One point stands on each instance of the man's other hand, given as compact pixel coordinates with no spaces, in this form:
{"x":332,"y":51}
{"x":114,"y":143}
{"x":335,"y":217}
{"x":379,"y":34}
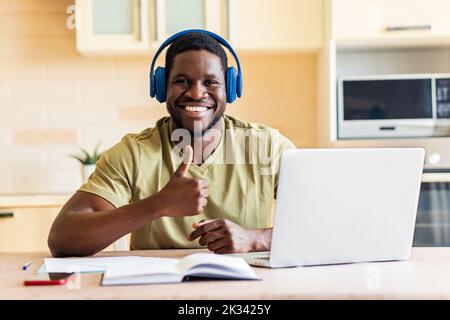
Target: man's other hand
{"x":224,"y":236}
{"x":184,"y":196}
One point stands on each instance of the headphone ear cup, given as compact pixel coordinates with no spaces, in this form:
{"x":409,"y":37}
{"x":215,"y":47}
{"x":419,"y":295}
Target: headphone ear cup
{"x":160,"y":84}
{"x":152,"y":85}
{"x":239,"y":85}
{"x":231,"y":83}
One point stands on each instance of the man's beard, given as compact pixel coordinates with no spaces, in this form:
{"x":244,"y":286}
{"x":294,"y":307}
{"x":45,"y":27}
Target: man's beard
{"x":179,"y":124}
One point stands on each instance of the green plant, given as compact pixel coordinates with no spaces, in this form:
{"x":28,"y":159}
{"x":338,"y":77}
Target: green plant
{"x":86,"y":157}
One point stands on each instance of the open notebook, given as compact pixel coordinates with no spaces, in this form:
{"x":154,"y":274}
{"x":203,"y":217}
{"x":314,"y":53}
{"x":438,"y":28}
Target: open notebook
{"x":198,"y":265}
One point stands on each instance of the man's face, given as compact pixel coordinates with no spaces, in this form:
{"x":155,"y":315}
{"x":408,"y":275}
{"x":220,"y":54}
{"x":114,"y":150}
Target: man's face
{"x":196,"y":95}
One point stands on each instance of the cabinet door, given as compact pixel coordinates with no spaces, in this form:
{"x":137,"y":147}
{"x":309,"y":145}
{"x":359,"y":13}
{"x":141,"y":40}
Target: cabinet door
{"x":389,"y":20}
{"x":177,"y":15}
{"x":279,"y":25}
{"x":113,"y":26}
{"x":26,"y":229}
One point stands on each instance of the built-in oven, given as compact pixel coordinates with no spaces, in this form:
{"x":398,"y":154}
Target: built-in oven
{"x":433,"y":214}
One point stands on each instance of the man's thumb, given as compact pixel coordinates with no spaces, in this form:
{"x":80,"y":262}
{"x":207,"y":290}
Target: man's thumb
{"x":185,"y":162}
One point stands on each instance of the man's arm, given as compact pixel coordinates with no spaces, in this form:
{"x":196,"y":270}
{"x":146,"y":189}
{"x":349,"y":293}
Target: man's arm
{"x":89,"y":223}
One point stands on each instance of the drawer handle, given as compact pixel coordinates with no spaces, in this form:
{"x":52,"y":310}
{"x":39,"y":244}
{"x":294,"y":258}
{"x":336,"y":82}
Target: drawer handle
{"x":425,"y":27}
{"x":6,"y":214}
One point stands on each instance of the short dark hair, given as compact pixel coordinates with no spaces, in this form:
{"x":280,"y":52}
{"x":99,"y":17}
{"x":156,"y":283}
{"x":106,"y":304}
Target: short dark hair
{"x":195,"y":41}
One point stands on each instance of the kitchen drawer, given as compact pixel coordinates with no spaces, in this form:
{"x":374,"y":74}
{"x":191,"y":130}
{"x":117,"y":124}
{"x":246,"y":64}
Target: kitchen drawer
{"x":387,"y":20}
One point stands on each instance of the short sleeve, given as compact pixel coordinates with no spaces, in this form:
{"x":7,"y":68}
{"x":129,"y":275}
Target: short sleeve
{"x":114,"y":175}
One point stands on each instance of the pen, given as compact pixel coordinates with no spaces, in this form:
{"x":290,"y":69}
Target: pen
{"x":27,"y":265}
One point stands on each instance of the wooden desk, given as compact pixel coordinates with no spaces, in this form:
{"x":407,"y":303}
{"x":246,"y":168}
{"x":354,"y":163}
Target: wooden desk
{"x":425,"y":276}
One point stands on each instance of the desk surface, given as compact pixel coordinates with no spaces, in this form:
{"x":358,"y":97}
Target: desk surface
{"x":425,"y":276}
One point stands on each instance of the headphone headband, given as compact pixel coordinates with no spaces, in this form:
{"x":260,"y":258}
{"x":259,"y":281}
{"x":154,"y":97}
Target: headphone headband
{"x":222,"y":41}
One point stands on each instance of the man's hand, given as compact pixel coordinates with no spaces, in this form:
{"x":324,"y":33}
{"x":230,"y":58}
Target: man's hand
{"x":184,"y":196}
{"x":224,"y":236}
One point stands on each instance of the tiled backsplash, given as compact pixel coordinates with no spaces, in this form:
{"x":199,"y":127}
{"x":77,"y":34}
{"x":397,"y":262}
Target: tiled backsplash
{"x":52,"y":99}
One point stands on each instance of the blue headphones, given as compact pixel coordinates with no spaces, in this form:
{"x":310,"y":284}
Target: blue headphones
{"x":233,"y":78}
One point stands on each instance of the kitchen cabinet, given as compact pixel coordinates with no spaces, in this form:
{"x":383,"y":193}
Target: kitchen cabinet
{"x":392,"y":23}
{"x":25,"y":229}
{"x":379,"y":37}
{"x":25,"y":221}
{"x":276,"y":25}
{"x":136,"y":27}
{"x":177,"y":15}
{"x":108,"y":26}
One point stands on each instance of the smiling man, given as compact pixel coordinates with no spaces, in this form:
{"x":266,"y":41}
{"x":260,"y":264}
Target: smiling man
{"x":198,"y":178}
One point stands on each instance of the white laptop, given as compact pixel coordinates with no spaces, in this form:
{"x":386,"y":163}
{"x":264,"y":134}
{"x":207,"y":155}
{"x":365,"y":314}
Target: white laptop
{"x":344,"y":205}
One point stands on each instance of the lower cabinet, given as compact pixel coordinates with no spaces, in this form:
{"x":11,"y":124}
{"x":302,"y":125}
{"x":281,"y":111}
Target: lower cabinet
{"x":26,"y":229}
{"x":25,"y":223}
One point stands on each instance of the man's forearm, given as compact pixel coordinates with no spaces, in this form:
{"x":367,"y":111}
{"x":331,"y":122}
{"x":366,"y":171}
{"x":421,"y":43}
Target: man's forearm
{"x":86,"y":233}
{"x":262,"y":239}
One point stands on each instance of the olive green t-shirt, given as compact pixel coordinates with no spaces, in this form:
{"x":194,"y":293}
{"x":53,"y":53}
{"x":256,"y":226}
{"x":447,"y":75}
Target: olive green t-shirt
{"x":242,"y":174}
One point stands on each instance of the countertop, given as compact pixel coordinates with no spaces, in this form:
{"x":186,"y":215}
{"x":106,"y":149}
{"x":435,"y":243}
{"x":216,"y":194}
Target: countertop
{"x":426,"y":275}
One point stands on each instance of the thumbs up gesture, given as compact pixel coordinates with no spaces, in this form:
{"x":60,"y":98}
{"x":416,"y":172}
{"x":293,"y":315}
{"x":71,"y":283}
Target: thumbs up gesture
{"x":184,"y":196}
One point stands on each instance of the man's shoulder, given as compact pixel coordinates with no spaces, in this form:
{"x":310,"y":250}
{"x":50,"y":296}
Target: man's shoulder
{"x":234,"y":123}
{"x":150,"y":132}
{"x":132,"y":140}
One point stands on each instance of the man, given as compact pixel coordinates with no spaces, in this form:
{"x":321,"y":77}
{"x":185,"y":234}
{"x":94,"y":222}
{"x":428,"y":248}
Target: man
{"x":189,"y":182}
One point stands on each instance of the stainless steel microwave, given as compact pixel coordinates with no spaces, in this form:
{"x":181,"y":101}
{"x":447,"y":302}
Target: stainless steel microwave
{"x":394,"y":106}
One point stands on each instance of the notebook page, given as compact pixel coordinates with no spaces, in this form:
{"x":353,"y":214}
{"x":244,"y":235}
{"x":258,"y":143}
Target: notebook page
{"x":158,"y":271}
{"x":96,"y":264}
{"x":155,"y":267}
{"x":212,"y":264}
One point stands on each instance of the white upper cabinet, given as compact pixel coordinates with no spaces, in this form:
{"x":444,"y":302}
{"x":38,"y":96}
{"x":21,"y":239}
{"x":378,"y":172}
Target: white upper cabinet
{"x":113,"y":26}
{"x":276,"y":24}
{"x":173,"y":16}
{"x":390,"y":22}
{"x":139,"y":26}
